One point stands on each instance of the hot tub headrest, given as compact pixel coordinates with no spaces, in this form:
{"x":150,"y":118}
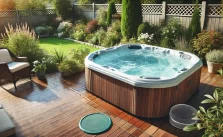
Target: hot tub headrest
{"x":134,"y":47}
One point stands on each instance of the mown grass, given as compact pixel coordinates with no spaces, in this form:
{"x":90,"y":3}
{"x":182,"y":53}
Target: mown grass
{"x":49,"y":44}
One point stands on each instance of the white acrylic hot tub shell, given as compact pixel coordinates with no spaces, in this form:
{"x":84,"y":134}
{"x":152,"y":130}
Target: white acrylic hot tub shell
{"x":136,"y":81}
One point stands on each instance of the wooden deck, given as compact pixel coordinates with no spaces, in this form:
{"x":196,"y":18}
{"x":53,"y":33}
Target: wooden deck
{"x":54,"y":107}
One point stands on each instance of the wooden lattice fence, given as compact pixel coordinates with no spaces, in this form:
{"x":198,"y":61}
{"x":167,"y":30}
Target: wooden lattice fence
{"x":31,"y":17}
{"x":211,"y":14}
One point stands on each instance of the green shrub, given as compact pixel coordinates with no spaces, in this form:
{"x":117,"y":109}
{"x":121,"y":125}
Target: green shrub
{"x":69,"y":67}
{"x":144,"y":28}
{"x":63,"y":8}
{"x":171,"y":33}
{"x":101,"y":16}
{"x":30,"y":4}
{"x":111,"y":10}
{"x":64,"y":29}
{"x":92,"y":38}
{"x":43,"y":30}
{"x":207,"y":41}
{"x":23,"y":42}
{"x":100,"y":34}
{"x":210,"y":119}
{"x":131,"y":17}
{"x":115,"y":26}
{"x":80,"y":54}
{"x":215,"y":56}
{"x":111,"y":39}
{"x":79,"y":32}
{"x":195,"y":25}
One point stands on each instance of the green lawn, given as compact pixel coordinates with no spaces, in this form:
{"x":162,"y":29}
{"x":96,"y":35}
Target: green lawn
{"x":49,"y":44}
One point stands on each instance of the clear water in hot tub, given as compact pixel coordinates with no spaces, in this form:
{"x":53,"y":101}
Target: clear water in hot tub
{"x":141,"y":62}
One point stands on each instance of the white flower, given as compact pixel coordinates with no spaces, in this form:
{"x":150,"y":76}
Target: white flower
{"x":35,"y":62}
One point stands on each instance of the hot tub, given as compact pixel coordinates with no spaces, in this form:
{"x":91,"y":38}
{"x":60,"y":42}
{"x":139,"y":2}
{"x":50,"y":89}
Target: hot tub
{"x":144,"y":80}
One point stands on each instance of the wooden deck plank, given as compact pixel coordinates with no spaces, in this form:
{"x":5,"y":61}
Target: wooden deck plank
{"x":55,"y":106}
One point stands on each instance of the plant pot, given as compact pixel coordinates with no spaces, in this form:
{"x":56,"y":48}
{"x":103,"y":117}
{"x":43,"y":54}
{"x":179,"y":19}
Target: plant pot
{"x":214,"y":67}
{"x":40,"y":74}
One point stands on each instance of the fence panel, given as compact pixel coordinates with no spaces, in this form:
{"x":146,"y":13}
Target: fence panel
{"x":211,"y":14}
{"x":31,"y":17}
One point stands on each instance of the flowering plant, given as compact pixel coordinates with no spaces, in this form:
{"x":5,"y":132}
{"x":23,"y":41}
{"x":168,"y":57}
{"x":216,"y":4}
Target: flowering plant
{"x":39,"y":66}
{"x":206,"y":42}
{"x":145,"y":38}
{"x":171,"y":33}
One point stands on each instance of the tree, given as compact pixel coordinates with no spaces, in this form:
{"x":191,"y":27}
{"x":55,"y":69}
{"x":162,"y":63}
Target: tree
{"x":63,"y":8}
{"x":30,"y":4}
{"x":111,"y":10}
{"x":131,"y":18}
{"x":195,"y":25}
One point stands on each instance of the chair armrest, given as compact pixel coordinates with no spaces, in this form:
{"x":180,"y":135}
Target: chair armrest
{"x":21,"y":59}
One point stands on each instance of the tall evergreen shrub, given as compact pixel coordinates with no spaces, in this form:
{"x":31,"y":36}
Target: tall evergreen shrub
{"x":111,"y":10}
{"x":131,"y":17}
{"x":195,"y":25}
{"x":63,"y":8}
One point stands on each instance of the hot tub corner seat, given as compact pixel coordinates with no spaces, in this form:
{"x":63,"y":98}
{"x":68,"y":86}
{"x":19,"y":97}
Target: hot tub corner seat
{"x":7,"y":127}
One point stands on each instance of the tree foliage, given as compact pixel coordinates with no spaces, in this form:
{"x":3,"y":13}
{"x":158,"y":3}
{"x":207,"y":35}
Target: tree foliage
{"x":111,"y":10}
{"x":131,"y":18}
{"x":29,"y":4}
{"x":63,"y":8}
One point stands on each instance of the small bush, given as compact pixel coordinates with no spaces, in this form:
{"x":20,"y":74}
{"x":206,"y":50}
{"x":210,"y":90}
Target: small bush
{"x":206,"y":42}
{"x":171,"y":33}
{"x":101,"y":33}
{"x":111,"y":10}
{"x":215,"y":56}
{"x":64,"y":29}
{"x":101,"y":16}
{"x":69,"y":67}
{"x":92,"y":26}
{"x":23,"y":42}
{"x":144,"y":28}
{"x":92,"y":38}
{"x":115,"y":26}
{"x":111,"y":39}
{"x":43,"y":30}
{"x":80,"y":54}
{"x":79,"y":35}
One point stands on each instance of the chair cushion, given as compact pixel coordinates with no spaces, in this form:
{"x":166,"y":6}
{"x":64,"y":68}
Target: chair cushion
{"x":7,"y":127}
{"x":5,"y":56}
{"x":16,"y":66}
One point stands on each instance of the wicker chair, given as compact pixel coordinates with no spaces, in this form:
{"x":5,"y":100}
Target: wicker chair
{"x":12,"y":68}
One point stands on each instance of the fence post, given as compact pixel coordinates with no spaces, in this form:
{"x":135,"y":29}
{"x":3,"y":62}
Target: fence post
{"x":93,"y":5}
{"x":17,"y":17}
{"x":203,"y":13}
{"x":164,"y":10}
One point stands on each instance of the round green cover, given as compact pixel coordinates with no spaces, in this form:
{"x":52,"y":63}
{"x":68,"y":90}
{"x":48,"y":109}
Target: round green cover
{"x":95,"y":123}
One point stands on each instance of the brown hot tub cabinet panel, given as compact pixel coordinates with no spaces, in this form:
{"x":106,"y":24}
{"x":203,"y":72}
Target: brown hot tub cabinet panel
{"x":143,"y":102}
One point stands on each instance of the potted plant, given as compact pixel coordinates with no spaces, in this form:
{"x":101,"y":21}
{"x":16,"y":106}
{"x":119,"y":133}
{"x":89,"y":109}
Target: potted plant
{"x":39,"y":67}
{"x":214,"y":60}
